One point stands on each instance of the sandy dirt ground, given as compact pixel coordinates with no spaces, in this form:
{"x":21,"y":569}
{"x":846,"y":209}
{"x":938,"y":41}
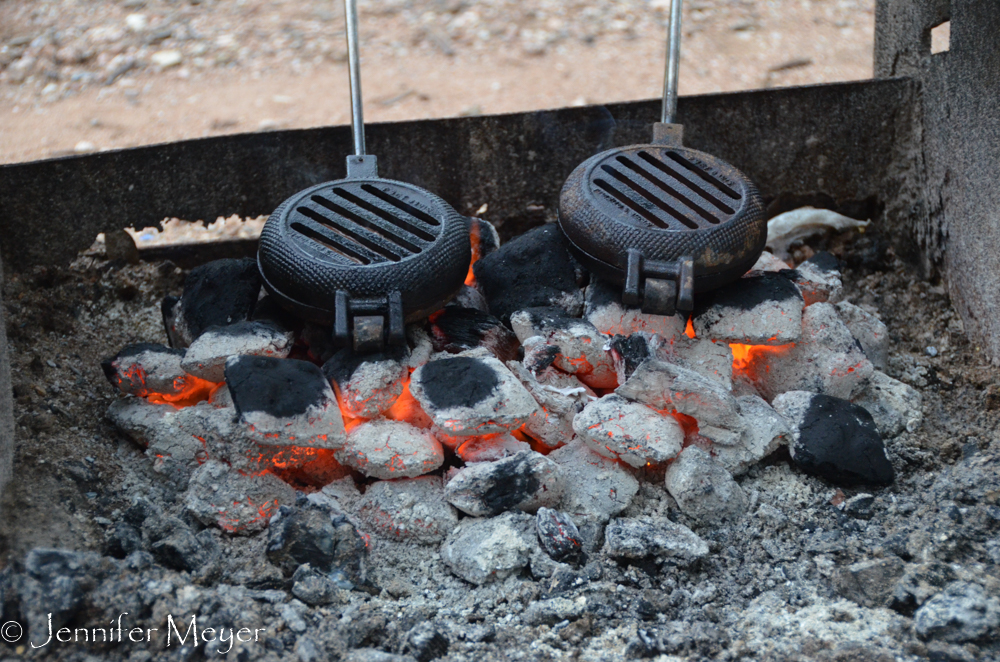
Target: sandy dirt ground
{"x":83,"y":75}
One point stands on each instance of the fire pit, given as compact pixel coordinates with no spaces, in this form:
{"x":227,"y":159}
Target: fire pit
{"x":802,"y":467}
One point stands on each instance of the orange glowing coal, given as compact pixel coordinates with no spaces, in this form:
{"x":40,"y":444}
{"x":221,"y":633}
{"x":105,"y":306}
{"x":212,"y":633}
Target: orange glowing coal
{"x":470,"y":279}
{"x":746,"y":358}
{"x":190,"y":391}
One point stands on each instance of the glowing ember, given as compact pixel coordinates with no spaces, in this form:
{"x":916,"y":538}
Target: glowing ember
{"x":190,"y":391}
{"x":470,"y":279}
{"x":745,"y":357}
{"x":689,"y":329}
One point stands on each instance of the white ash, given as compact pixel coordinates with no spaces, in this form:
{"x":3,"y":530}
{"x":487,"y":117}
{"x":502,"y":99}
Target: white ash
{"x":366,"y":387}
{"x":764,"y":433}
{"x":408,"y":509}
{"x":826,"y":360}
{"x":664,"y":386}
{"x":488,"y":448}
{"x":467,"y":395}
{"x":868,"y":330}
{"x":579,"y":345}
{"x":630,"y":539}
{"x":765,"y":309}
{"x":895,"y":406}
{"x":769,"y":262}
{"x":595,"y":487}
{"x":628,"y":431}
{"x":146,"y":368}
{"x":709,"y":358}
{"x":818,"y":279}
{"x":281,"y":402}
{"x":526,"y":481}
{"x":421,"y":346}
{"x":489,"y":550}
{"x":390,"y":449}
{"x":206,"y":356}
{"x":703,"y":489}
{"x":234,"y":502}
{"x":603,"y":309}
{"x":559,"y":397}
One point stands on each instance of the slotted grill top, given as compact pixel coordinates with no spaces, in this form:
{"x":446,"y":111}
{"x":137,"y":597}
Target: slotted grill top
{"x":666,"y":202}
{"x":359,"y":223}
{"x":660,"y":188}
{"x":363,"y":238}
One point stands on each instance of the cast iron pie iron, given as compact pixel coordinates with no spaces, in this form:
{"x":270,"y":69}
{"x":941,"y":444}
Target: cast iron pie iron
{"x":663,"y":221}
{"x":365,"y":254}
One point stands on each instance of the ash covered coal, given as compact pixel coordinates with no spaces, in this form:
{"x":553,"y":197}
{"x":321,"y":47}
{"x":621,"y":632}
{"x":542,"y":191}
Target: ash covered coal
{"x":710,"y":552}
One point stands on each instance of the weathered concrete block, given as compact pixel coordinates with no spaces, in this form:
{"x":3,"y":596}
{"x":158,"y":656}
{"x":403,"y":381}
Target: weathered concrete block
{"x":628,"y":431}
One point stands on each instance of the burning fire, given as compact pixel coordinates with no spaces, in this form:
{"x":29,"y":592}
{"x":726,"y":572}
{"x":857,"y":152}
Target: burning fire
{"x":474,"y":237}
{"x":747,"y":358}
{"x":190,"y":391}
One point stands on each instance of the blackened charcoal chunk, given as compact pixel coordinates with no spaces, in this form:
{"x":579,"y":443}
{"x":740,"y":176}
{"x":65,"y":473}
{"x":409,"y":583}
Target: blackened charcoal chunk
{"x":757,"y":310}
{"x":367,"y":384}
{"x":426,"y":642}
{"x":327,"y":541}
{"x":628,"y":352}
{"x":457,"y":329}
{"x":215,"y":294}
{"x":535,"y":269}
{"x":184,"y":550}
{"x":559,"y":536}
{"x":268,"y":310}
{"x":818,"y":278}
{"x":145,"y":368}
{"x":485,"y":238}
{"x":472,"y":396}
{"x":835,"y":439}
{"x":284,"y":402}
{"x":279,"y":387}
{"x":526,"y":481}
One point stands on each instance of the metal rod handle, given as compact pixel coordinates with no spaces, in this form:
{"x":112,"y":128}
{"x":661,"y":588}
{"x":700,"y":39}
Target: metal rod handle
{"x":673,"y":63}
{"x":354,"y":67}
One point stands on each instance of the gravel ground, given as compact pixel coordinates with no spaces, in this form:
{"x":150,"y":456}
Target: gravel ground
{"x":810,"y":573}
{"x":81,"y":75}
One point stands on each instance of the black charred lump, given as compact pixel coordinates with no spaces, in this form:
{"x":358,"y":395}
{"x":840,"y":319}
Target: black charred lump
{"x":457,"y":329}
{"x":559,"y":536}
{"x":215,"y":294}
{"x":328,"y":542}
{"x":748,"y":293}
{"x":835,"y":439}
{"x":535,"y":269}
{"x":628,"y":352}
{"x":279,"y":387}
{"x":459,"y":382}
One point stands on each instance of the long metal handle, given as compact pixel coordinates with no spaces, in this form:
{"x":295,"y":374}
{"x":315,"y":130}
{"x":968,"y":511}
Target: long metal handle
{"x":354,"y":67}
{"x":673,"y":63}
